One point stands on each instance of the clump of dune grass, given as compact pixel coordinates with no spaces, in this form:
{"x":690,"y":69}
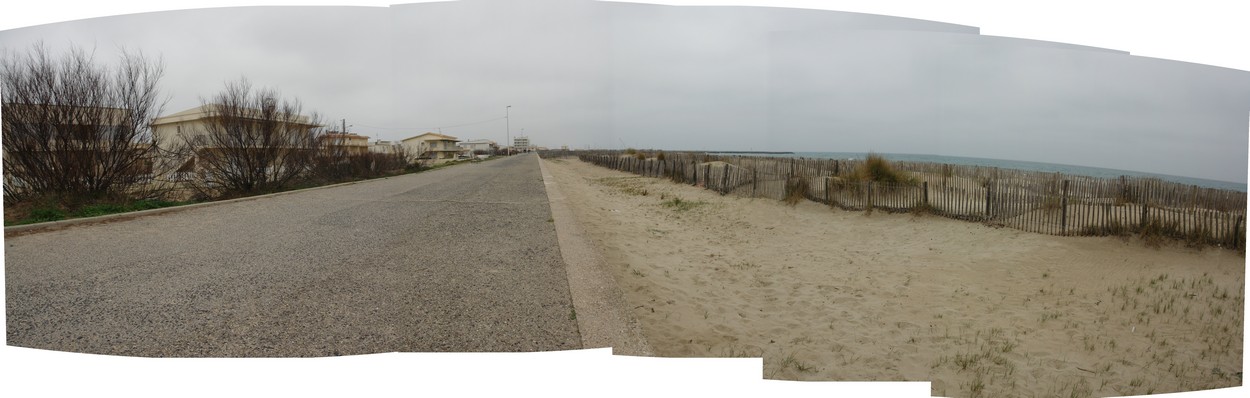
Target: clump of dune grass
{"x":677,"y":204}
{"x":628,"y":185}
{"x":796,"y":190}
{"x":876,"y":169}
{"x":659,"y":156}
{"x":630,"y":151}
{"x":923,"y":209}
{"x":640,"y":156}
{"x":1154,"y":233}
{"x":1109,"y":229}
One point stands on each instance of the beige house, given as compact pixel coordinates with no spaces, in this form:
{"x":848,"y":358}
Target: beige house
{"x":433,"y":146}
{"x":173,"y":131}
{"x":66,"y":136}
{"x":347,"y":144}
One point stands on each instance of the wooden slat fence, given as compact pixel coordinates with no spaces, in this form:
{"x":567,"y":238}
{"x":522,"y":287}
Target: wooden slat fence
{"x":1048,"y":203}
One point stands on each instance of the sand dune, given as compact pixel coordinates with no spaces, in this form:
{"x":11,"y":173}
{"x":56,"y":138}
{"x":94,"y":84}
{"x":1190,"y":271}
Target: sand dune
{"x":824,"y":294}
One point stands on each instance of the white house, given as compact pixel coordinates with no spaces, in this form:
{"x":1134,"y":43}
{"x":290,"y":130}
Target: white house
{"x":386,"y":147}
{"x":473,"y":146}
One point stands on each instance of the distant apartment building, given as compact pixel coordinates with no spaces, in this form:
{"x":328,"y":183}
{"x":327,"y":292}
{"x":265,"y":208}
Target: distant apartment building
{"x":521,"y":143}
{"x":433,"y":146}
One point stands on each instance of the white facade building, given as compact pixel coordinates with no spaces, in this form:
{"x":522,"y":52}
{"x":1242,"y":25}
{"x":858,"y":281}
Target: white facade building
{"x":520,"y":143}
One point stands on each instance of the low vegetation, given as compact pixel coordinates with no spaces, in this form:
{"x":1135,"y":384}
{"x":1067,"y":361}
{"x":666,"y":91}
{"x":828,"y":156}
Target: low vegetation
{"x":626,"y":185}
{"x":46,"y":210}
{"x":879,"y":170}
{"x":796,"y":190}
{"x":678,"y":204}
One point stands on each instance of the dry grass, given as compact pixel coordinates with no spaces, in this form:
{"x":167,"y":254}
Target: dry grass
{"x":796,"y":190}
{"x":677,"y":204}
{"x":876,"y":169}
{"x":627,"y":185}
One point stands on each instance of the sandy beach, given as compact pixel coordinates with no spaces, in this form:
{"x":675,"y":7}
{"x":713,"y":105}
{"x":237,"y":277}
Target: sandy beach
{"x":826,"y":294}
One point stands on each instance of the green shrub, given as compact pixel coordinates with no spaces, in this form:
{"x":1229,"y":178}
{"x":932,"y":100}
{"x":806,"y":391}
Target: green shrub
{"x":47,"y":214}
{"x":99,"y":210}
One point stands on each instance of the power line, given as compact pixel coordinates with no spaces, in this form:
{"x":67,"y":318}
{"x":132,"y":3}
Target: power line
{"x":434,"y":127}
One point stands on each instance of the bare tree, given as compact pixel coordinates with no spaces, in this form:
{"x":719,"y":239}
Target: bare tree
{"x":341,"y":156}
{"x":252,"y":141}
{"x":77,"y":130}
{"x":336,"y":158}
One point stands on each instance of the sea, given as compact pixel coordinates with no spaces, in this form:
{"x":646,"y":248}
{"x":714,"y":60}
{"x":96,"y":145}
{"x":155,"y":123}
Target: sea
{"x":1021,"y":165}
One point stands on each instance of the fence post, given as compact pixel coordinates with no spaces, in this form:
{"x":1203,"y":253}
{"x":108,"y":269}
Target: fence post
{"x":870,"y":189}
{"x":1063,"y":213}
{"x":694,"y":167}
{"x":1144,"y":207}
{"x":926,"y":193}
{"x":835,"y":167}
{"x":1237,"y":233}
{"x":1106,"y":218}
{"x":724,"y":180}
{"x":754,"y":174}
{"x":828,"y":187}
{"x":707,"y":176}
{"x":987,"y":199}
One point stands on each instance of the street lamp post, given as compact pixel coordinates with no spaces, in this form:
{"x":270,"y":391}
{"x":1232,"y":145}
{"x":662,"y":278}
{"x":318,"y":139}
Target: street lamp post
{"x":507,"y":116}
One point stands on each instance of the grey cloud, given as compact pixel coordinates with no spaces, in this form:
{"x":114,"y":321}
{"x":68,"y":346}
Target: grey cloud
{"x":583,"y":73}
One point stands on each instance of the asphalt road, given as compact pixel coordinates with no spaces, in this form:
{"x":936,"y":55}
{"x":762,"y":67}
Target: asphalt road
{"x":458,"y":259}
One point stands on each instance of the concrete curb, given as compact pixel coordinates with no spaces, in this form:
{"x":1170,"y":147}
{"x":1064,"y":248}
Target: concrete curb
{"x":60,"y":224}
{"x":602,"y":315}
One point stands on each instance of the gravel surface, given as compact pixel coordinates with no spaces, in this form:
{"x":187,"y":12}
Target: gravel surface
{"x":458,"y":259}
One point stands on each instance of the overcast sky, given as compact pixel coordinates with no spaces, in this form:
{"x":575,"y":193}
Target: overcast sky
{"x":584,"y":74}
{"x":595,"y":74}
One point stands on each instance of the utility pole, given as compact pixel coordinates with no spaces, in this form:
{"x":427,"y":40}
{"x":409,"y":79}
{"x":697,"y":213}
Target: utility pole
{"x":344,"y":126}
{"x":507,"y":117}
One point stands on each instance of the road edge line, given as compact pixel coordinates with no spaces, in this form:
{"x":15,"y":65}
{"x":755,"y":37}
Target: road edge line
{"x":602,"y":315}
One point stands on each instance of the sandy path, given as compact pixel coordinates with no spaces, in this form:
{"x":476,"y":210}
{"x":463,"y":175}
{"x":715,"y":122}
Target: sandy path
{"x":826,"y":294}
